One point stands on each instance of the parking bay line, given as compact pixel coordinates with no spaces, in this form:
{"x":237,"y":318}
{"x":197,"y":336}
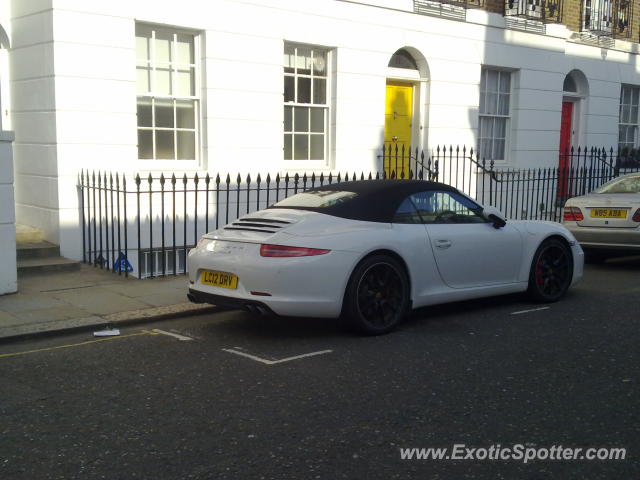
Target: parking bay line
{"x":274,"y":362}
{"x":530,"y":310}
{"x":182,"y":338}
{"x":106,"y":339}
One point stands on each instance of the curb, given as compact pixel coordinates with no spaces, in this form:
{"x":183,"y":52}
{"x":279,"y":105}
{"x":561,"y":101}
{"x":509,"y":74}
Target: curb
{"x":134,"y":317}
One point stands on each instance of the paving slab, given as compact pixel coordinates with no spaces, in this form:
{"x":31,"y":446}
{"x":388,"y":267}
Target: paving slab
{"x":21,"y":303}
{"x":53,"y":302}
{"x":98,"y":301}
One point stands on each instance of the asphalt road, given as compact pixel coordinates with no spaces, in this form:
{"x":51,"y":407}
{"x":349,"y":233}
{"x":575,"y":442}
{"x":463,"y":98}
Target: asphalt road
{"x":224,"y":405}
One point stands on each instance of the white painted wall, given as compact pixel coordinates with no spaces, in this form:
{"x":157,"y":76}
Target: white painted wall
{"x":8,"y":280}
{"x":74,"y":106}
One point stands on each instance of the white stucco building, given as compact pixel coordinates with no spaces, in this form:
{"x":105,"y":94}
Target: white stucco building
{"x":294,"y":85}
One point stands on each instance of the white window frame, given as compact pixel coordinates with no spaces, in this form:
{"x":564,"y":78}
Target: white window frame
{"x":183,"y":164}
{"x":328,"y":107}
{"x":495,"y":116}
{"x":629,"y":121}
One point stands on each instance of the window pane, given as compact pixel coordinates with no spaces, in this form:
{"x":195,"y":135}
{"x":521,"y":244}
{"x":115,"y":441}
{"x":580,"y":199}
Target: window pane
{"x":164,"y":145}
{"x":319,"y":62}
{"x":163,"y":81}
{"x":184,"y":49}
{"x":319,"y":91}
{"x":317,"y":147}
{"x":505,"y":82}
{"x":289,"y":58}
{"x":287,"y":147}
{"x":301,"y":119}
{"x":186,"y":145}
{"x":143,"y":49}
{"x":633,"y":114}
{"x":492,"y":81}
{"x":491,"y":107}
{"x":185,"y":83}
{"x":185,"y":113}
{"x":289,"y":89}
{"x":304,"y":90}
{"x":145,"y":144}
{"x":288,"y":118}
{"x":163,"y":47}
{"x":485,"y":149}
{"x":300,"y":147}
{"x":483,"y":103}
{"x":499,"y":127}
{"x":635,"y":95}
{"x":624,"y":114}
{"x":317,"y":119}
{"x":164,"y":113}
{"x":622,"y":134}
{"x":626,"y":95}
{"x":143,"y":79}
{"x":144,"y":113}
{"x":503,"y":104}
{"x":303,"y":61}
{"x":486,"y":127}
{"x":498,"y":150}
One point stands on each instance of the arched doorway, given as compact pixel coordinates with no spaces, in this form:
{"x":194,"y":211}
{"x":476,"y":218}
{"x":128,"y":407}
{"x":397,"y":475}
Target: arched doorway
{"x":575,"y":90}
{"x":405,"y":110}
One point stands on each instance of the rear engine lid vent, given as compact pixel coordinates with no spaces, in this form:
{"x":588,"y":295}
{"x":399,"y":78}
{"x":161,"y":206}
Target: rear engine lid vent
{"x":258,"y":224}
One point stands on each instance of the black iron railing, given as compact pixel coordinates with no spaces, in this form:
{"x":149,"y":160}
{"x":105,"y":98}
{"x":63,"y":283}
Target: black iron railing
{"x":547,"y":11}
{"x":611,"y":18}
{"x":145,"y":225}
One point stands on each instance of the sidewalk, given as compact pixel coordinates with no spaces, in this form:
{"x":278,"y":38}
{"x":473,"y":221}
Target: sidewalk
{"x":90,"y":298}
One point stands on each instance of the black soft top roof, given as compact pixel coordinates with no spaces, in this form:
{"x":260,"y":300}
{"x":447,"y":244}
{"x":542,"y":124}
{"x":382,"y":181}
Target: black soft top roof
{"x":376,"y":200}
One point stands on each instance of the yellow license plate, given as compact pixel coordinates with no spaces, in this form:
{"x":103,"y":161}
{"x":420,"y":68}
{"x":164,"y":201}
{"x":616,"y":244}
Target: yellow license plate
{"x":219,"y":279}
{"x":608,"y":213}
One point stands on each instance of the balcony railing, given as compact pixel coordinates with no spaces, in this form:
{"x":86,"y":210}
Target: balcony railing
{"x":547,"y":11}
{"x":611,"y":18}
{"x":446,"y":8}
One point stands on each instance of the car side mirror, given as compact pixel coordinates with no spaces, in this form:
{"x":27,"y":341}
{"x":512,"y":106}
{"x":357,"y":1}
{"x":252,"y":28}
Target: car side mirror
{"x":494,"y":216}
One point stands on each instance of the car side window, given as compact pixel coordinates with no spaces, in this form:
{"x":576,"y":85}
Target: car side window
{"x":407,"y":213}
{"x":435,"y":206}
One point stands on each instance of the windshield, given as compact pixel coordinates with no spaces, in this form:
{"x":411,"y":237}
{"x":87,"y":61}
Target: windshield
{"x":621,"y":185}
{"x":317,"y":199}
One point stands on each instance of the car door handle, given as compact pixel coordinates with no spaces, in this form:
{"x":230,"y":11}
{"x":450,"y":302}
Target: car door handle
{"x":443,"y":244}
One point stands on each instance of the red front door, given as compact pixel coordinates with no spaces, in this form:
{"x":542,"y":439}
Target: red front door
{"x":565,"y":148}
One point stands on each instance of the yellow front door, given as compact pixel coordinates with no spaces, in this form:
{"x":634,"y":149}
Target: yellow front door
{"x":397,"y":127}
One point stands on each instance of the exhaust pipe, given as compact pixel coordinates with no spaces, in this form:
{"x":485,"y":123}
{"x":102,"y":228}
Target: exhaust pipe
{"x":192,"y":298}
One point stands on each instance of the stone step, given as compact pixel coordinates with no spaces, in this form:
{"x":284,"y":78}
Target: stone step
{"x":42,"y":249}
{"x":28,"y":234}
{"x":47,"y":264}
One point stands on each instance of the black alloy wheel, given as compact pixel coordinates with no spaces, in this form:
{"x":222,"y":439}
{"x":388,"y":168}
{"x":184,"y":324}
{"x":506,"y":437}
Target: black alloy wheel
{"x":551,"y":271}
{"x":377,"y":296}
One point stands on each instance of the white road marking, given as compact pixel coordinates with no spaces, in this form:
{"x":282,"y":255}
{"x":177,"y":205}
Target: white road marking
{"x":182,"y":338}
{"x":530,"y":310}
{"x":274,"y":362}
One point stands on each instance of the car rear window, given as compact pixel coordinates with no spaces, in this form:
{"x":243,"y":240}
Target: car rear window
{"x":317,"y":199}
{"x":621,"y":185}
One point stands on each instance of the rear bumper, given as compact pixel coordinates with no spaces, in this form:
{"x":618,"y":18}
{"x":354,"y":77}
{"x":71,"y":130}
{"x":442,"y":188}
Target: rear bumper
{"x":252,"y":306}
{"x":606,"y":238}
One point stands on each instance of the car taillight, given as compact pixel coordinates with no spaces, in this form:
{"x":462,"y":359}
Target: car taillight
{"x":573,"y":214}
{"x":636,"y":216}
{"x":267,"y":250}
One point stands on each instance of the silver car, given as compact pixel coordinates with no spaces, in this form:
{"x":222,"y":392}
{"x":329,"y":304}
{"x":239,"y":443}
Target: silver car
{"x":606,"y":222}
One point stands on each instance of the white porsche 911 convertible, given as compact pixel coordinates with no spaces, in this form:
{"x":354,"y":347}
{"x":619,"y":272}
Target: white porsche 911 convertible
{"x":372,"y":250}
